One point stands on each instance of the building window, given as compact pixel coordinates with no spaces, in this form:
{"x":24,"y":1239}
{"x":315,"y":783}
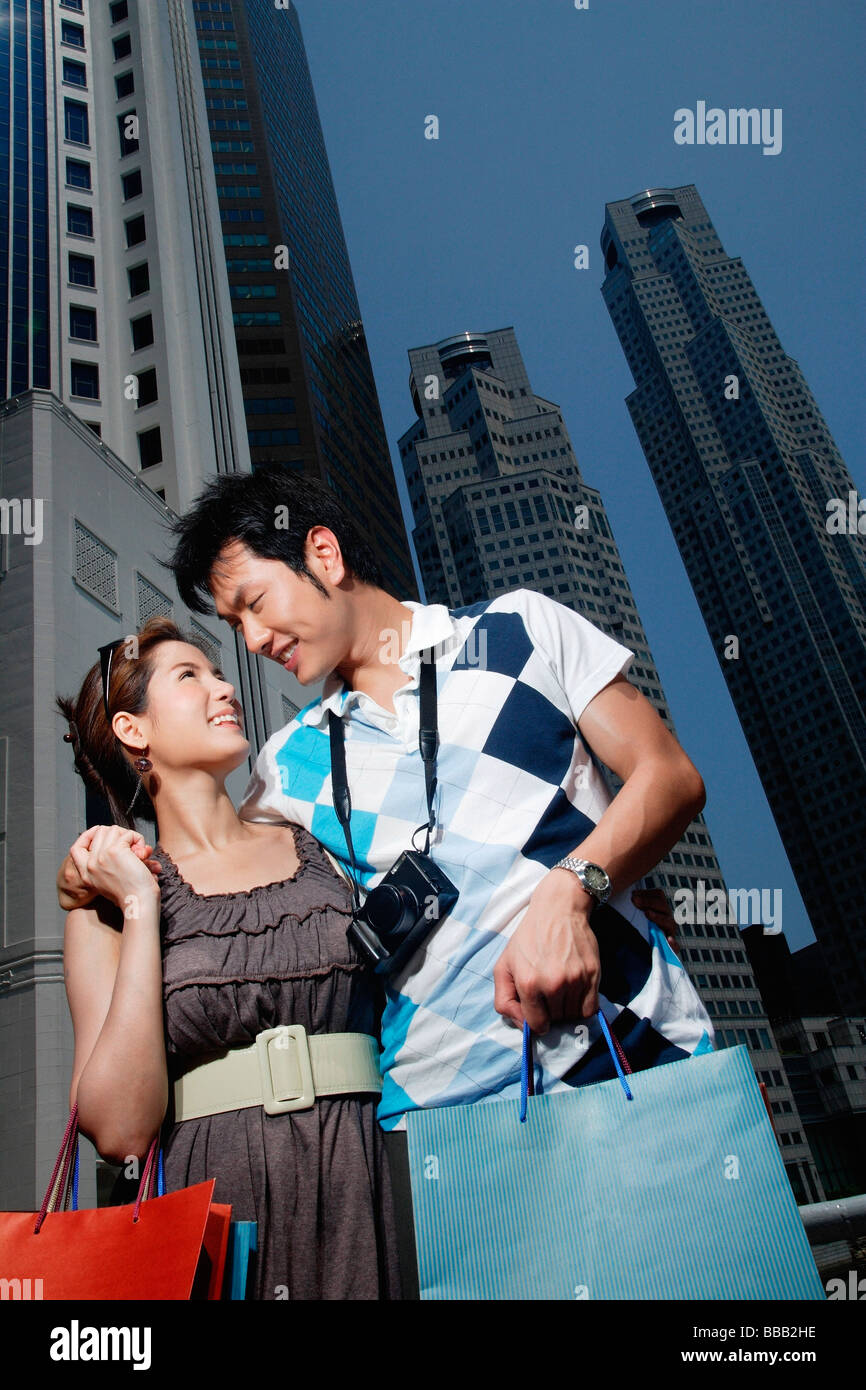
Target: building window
{"x":131,"y":185}
{"x":139,"y":279}
{"x":72,"y":5}
{"x":82,"y":322}
{"x":70,"y":33}
{"x":85,"y":380}
{"x":253,"y":291}
{"x":76,"y":122}
{"x":128,"y":141}
{"x":118,"y":11}
{"x":150,"y":447}
{"x":253,"y":320}
{"x":269,"y":405}
{"x":124,"y":85}
{"x":95,"y":426}
{"x":77,"y":174}
{"x":259,"y":439}
{"x":135,"y":231}
{"x":122,"y":47}
{"x":74,"y":72}
{"x":82,"y":270}
{"x":147,"y":392}
{"x":142,"y":332}
{"x":79,"y":220}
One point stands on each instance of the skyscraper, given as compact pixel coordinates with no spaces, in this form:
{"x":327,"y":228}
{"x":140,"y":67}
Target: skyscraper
{"x":171,"y":210}
{"x":500,"y":503}
{"x":120,"y":390}
{"x":308,"y":387}
{"x":115,"y":285}
{"x":754,"y":488}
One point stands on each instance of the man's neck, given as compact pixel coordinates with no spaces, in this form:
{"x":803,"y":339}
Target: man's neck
{"x":372,"y":663}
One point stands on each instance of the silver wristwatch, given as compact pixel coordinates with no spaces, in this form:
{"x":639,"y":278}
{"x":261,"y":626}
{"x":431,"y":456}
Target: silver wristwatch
{"x":592,"y":876}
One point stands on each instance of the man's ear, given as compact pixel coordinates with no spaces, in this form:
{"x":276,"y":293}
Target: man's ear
{"x":324,"y":556}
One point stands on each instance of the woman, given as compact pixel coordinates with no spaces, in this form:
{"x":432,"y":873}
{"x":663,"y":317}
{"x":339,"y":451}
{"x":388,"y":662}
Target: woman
{"x":237,"y":928}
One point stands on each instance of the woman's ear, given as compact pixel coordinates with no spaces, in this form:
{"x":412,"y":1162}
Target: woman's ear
{"x":129,"y":731}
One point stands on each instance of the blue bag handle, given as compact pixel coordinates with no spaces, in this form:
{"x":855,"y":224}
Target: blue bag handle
{"x":160,"y":1177}
{"x":527,"y":1070}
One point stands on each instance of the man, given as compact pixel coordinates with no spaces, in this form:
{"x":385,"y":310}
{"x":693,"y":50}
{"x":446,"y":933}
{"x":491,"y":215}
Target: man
{"x":530,"y":697}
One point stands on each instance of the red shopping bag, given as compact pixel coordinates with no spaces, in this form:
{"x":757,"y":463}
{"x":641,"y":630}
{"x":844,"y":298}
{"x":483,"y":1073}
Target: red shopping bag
{"x":171,"y":1247}
{"x":212,"y":1261}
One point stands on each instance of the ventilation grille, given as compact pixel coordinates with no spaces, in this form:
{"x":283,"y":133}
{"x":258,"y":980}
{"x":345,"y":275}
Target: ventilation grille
{"x":95,"y":565}
{"x":289,"y":710}
{"x":214,"y":648}
{"x":152,"y":602}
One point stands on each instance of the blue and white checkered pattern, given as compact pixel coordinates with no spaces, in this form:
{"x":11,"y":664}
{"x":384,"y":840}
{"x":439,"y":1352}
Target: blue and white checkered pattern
{"x":517,"y":790}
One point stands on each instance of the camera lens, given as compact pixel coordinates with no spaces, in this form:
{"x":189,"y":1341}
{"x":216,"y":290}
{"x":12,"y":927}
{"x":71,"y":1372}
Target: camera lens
{"x":388,"y":907}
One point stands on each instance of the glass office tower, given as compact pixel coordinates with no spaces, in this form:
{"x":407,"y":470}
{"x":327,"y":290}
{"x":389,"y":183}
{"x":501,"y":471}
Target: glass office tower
{"x":753,"y":486}
{"x":309,"y":393}
{"x":24,"y":318}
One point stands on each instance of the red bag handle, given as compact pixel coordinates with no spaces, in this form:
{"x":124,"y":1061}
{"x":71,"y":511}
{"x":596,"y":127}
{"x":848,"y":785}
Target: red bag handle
{"x":60,"y":1182}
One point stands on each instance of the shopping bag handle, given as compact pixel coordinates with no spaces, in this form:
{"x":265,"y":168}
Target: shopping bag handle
{"x":63,"y":1182}
{"x":527,"y":1069}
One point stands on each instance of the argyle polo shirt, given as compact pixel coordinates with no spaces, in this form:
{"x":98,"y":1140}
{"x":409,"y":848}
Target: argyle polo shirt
{"x":518,"y":789}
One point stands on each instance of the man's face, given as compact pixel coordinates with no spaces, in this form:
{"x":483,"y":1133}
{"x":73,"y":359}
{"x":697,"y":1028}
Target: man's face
{"x":281,"y":614}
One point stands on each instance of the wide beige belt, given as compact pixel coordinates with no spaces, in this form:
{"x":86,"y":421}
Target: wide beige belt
{"x":286,"y":1068}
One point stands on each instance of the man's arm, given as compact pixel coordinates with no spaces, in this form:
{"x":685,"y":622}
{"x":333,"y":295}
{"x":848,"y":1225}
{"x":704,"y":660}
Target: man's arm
{"x":549,"y":972}
{"x":662,"y":789}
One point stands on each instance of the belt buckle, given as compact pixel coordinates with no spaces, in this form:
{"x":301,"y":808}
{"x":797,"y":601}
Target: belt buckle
{"x":272,"y":1104}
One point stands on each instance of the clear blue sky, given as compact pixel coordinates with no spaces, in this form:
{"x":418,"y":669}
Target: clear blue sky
{"x":546,"y":113}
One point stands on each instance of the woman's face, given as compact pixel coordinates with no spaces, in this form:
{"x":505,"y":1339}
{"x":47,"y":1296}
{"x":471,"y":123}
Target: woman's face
{"x":193,"y":719}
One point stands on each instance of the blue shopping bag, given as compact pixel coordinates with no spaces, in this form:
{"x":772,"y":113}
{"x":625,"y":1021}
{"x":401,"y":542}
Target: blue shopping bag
{"x":663,"y":1184}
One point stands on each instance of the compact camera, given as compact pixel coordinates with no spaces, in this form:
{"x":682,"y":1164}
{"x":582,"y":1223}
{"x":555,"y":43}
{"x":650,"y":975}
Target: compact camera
{"x":400,"y":912}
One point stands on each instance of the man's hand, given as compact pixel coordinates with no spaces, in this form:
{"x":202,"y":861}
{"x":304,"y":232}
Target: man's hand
{"x":550,"y":970}
{"x":73,"y":886}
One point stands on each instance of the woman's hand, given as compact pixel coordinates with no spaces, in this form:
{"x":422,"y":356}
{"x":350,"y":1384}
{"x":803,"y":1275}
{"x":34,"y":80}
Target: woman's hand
{"x":116,"y":863}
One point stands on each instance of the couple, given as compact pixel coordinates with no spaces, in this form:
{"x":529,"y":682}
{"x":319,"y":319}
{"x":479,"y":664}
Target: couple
{"x":234,"y":926}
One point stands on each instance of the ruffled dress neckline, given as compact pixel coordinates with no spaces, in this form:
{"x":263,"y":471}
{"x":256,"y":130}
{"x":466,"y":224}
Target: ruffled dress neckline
{"x":302,"y":849}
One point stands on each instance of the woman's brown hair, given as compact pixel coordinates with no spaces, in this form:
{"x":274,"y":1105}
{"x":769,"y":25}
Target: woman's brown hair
{"x":101,"y":760}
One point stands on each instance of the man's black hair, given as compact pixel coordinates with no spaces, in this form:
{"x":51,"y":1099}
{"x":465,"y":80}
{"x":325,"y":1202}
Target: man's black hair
{"x":272,"y":511}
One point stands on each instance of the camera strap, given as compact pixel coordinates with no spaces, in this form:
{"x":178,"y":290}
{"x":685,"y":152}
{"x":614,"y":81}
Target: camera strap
{"x":428,"y":744}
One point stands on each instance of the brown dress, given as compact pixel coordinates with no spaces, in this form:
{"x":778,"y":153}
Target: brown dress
{"x":317,"y":1180}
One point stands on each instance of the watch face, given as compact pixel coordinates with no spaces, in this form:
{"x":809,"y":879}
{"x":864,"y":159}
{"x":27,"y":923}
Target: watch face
{"x":596,"y":878}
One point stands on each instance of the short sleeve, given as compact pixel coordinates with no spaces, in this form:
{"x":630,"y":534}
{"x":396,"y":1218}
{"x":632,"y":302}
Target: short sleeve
{"x":582,"y":657}
{"x":264,"y":799}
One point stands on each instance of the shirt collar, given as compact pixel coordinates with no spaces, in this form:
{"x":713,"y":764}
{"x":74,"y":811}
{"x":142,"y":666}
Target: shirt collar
{"x":432,"y":626}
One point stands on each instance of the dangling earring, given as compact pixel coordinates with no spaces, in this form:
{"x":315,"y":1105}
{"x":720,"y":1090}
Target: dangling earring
{"x":141,"y":765}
